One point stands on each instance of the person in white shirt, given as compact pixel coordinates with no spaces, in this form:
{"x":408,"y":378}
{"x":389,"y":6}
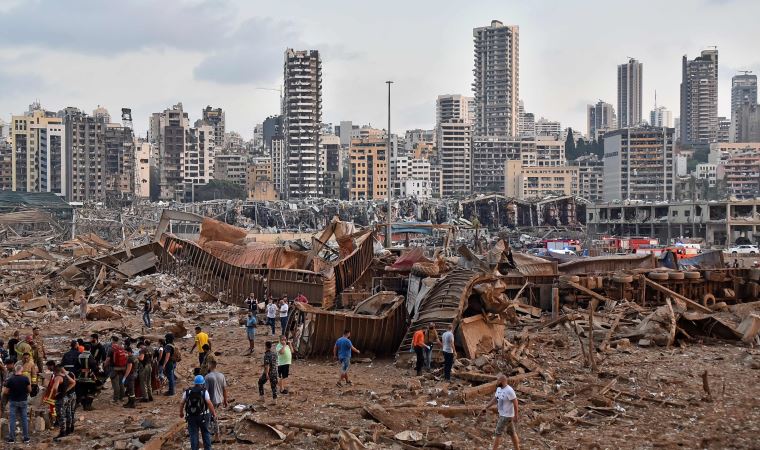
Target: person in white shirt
{"x":271,"y":314}
{"x":284,"y":314}
{"x":449,"y":351}
{"x":506,"y":401}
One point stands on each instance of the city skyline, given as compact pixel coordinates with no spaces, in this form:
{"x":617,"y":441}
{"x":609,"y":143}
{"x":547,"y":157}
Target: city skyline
{"x":242,"y":45}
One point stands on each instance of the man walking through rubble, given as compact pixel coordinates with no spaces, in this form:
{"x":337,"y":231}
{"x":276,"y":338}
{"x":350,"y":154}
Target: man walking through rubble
{"x":449,"y":351}
{"x":419,"y":347}
{"x":195,"y":408}
{"x":342,"y":352}
{"x":506,"y":401}
{"x":271,"y":314}
{"x":201,"y":340}
{"x":250,"y":330}
{"x":284,"y":314}
{"x":147,"y":309}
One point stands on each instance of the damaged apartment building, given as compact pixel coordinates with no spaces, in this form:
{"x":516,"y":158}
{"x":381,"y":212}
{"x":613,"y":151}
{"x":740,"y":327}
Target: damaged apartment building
{"x":717,"y":222}
{"x":70,"y":153}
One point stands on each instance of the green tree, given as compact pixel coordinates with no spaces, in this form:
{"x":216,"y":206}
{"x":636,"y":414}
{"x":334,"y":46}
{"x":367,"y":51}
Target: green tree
{"x":570,"y":150}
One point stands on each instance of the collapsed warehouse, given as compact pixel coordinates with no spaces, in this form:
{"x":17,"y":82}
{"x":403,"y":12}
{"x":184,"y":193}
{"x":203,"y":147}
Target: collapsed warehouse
{"x":513,"y":313}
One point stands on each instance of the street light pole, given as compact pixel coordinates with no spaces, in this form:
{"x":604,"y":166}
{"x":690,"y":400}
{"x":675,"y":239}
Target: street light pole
{"x":388,"y":241}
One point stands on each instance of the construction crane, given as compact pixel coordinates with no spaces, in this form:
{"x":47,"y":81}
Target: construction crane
{"x":278,"y":89}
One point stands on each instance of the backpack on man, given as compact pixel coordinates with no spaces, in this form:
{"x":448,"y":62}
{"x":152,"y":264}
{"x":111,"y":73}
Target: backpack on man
{"x":176,"y":355}
{"x":119,"y":356}
{"x":195,"y":402}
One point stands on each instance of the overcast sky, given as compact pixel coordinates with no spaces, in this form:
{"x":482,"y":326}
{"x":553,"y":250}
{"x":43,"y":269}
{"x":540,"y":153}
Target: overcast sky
{"x":149,"y":54}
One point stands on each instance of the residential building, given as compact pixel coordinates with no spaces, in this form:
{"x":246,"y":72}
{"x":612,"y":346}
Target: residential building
{"x":101,"y":113}
{"x":96,"y":155}
{"x":638,"y":164}
{"x":119,"y":176}
{"x":436,"y":180}
{"x":453,"y":106}
{"x":263,"y":191}
{"x":215,"y":118}
{"x":414,"y":179}
{"x":333,"y":165}
{"x":524,"y":182}
{"x":455,"y":154}
{"x":738,"y":164}
{"x":143,"y":163}
{"x":601,"y":118}
{"x":747,"y":124}
{"x":346,"y":131}
{"x":699,"y":99}
{"x":629,"y":90}
{"x":258,"y":138}
{"x":724,"y":130}
{"x":717,"y":222}
{"x":302,"y":118}
{"x":279,"y":165}
{"x":413,"y":138}
{"x":590,"y":177}
{"x":369,"y":169}
{"x":708,"y":172}
{"x":526,"y":122}
{"x":743,"y":92}
{"x":260,"y":169}
{"x":6,"y":164}
{"x":489,"y":153}
{"x":231,"y":167}
{"x":199,"y":158}
{"x":546,"y":127}
{"x":661,"y":117}
{"x":271,"y":128}
{"x":497,"y":79}
{"x":39,"y":152}
{"x":548,"y":152}
{"x":168,"y":130}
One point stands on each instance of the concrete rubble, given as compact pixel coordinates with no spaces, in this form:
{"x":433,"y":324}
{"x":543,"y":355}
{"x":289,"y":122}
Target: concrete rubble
{"x":589,"y":344}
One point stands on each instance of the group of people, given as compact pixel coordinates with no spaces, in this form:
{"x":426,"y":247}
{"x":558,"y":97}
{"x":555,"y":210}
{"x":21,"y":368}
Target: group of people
{"x":138,"y":368}
{"x":423,"y":341}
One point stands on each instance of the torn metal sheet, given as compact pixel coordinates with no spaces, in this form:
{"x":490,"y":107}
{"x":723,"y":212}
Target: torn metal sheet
{"x":248,"y":429}
{"x":480,"y":337}
{"x":315,"y":330}
{"x":138,"y":265}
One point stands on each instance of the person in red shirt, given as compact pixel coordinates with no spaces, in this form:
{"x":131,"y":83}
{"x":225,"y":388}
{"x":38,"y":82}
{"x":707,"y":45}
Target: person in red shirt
{"x":418,"y":344}
{"x":301,"y":298}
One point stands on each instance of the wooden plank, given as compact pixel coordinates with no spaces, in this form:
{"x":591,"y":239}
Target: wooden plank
{"x":587,"y":291}
{"x":660,"y":288}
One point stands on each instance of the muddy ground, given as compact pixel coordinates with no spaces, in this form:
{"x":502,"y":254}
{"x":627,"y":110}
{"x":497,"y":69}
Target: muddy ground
{"x":638,"y":398}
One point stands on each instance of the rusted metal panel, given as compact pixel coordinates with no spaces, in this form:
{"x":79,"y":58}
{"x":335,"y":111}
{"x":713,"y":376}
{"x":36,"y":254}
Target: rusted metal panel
{"x":231,"y":284}
{"x":443,"y":304}
{"x":315,"y":330}
{"x":352,"y":267}
{"x":606,"y":264}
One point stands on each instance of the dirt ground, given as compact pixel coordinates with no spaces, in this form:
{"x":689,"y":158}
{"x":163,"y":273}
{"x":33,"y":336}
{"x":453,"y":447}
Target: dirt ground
{"x":639,"y":398}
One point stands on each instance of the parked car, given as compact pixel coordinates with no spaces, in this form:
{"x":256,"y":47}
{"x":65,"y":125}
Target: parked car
{"x":744,"y":250}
